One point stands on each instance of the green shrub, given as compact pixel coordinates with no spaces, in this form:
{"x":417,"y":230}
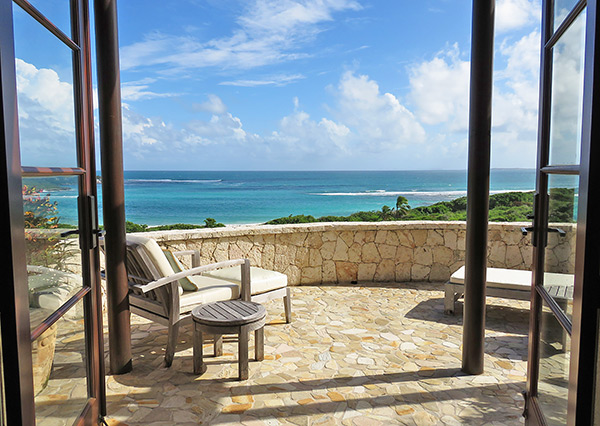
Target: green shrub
{"x":505,"y":207}
{"x":209,"y":222}
{"x":134,"y":227}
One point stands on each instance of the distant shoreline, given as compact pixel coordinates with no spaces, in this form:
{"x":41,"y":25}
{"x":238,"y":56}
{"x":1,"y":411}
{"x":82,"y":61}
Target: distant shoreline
{"x":324,"y":171}
{"x":253,"y":197}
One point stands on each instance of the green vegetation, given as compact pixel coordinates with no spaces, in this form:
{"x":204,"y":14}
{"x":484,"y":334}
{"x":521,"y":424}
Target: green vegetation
{"x":505,"y":207}
{"x":209,"y":222}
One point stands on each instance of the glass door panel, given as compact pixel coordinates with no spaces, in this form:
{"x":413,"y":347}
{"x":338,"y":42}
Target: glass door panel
{"x":57,"y":11}
{"x":60,"y":215}
{"x":556,"y":218}
{"x":56,"y":290}
{"x":559,"y":266}
{"x":59,"y":370}
{"x":561,"y":9}
{"x":555,"y":351}
{"x":53,"y":256}
{"x":45,"y":95}
{"x":567,"y":95}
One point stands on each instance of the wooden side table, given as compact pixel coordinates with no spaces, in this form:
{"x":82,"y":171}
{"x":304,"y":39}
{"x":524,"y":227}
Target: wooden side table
{"x":229,"y":317}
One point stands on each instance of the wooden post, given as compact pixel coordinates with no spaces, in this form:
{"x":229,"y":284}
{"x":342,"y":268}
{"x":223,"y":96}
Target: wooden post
{"x":113,"y":193}
{"x":480,"y":121}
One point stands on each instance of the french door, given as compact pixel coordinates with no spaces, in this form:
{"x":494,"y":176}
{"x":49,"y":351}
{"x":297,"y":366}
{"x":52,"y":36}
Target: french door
{"x":563,"y":335}
{"x":52,"y":349}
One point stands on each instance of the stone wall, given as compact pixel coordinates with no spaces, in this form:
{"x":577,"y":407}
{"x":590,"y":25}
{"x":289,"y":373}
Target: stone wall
{"x":366,"y":251}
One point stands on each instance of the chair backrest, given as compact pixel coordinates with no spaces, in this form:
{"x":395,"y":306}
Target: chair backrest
{"x":146,"y":262}
{"x":154,"y":263}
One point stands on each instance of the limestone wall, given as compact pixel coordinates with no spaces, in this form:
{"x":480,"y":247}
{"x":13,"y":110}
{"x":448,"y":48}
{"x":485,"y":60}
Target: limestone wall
{"x":366,"y":251}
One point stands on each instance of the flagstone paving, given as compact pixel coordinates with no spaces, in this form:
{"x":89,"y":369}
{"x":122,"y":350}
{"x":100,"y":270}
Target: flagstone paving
{"x":353,"y":355}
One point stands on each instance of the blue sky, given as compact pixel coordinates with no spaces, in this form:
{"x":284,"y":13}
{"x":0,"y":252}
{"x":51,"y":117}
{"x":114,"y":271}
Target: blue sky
{"x":295,"y":85}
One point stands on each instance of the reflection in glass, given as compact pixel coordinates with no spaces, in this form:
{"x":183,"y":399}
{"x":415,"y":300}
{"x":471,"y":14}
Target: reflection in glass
{"x":561,"y":10}
{"x":559,"y":262}
{"x":563,"y":198}
{"x":555,"y":353}
{"x":45,"y":95}
{"x":59,"y":370}
{"x":53,"y":261}
{"x":567,"y":95}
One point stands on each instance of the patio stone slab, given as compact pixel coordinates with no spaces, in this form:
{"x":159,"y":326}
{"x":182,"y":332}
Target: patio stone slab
{"x":353,"y":355}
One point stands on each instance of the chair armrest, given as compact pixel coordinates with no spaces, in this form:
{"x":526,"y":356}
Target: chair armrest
{"x":194,"y":253}
{"x":245,"y":263}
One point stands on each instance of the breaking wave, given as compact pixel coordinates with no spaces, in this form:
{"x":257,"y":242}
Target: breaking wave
{"x":175,"y":180}
{"x":433,"y":194}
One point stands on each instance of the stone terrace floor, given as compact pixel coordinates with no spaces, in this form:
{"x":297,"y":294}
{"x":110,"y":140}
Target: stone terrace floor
{"x":353,"y":355}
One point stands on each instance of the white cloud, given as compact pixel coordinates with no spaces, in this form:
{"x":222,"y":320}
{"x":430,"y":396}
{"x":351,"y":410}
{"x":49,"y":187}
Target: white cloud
{"x":278,"y":80}
{"x":270,"y":31}
{"x":363,"y":121}
{"x":298,"y":134}
{"x":567,"y":92}
{"x":51,"y":96}
{"x":223,"y":128}
{"x":213,"y":105}
{"x":440,"y":94}
{"x":440,"y":89}
{"x":515,"y":14}
{"x":517,"y":91}
{"x":46,"y":117}
{"x":379,"y":120}
{"x":136,"y":91}
{"x":292,"y":18}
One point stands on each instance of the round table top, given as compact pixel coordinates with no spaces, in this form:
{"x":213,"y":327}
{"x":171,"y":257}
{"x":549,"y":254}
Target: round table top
{"x":229,"y":312}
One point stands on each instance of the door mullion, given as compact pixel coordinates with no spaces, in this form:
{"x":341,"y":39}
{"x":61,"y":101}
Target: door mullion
{"x":540,"y":210}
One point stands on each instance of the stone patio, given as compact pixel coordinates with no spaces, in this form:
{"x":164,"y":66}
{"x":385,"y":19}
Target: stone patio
{"x":353,"y":355}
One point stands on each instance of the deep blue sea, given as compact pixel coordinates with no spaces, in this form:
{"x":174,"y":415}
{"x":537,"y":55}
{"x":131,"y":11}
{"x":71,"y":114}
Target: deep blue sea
{"x":230,"y":197}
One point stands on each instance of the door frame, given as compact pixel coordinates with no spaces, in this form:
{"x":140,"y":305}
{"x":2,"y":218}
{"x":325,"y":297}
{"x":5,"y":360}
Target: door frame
{"x":14,"y":305}
{"x":583,"y":328}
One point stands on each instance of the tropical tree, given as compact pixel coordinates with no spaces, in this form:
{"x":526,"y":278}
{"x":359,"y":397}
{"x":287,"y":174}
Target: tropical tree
{"x":402,"y":206}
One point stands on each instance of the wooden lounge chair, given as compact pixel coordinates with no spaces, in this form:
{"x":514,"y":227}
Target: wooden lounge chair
{"x":162,"y":290}
{"x":509,"y":284}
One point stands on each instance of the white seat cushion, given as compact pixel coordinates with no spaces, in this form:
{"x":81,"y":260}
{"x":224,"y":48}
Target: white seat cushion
{"x":513,"y":279}
{"x":50,"y":288}
{"x":261,"y":280}
{"x":209,"y":290}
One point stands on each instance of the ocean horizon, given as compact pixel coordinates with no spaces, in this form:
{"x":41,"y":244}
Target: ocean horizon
{"x":246,"y":197}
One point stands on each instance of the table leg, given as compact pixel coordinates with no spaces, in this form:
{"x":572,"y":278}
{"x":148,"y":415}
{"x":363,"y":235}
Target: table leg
{"x":259,"y":344}
{"x":218,"y":344}
{"x":199,"y":366}
{"x":243,"y":352}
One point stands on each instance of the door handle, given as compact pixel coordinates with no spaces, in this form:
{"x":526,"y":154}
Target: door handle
{"x":98,"y":232}
{"x":559,"y":231}
{"x":69,"y":233}
{"x":525,"y":230}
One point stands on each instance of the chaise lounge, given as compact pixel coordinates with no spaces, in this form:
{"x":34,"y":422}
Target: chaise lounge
{"x":509,"y":284}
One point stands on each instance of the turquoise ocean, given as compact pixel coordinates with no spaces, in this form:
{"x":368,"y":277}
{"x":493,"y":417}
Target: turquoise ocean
{"x":239,"y":197}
